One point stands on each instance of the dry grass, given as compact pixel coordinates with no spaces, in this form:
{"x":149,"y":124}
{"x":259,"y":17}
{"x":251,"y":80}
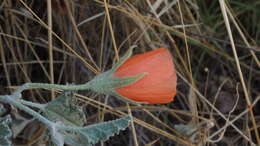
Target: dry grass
{"x":215,"y":47}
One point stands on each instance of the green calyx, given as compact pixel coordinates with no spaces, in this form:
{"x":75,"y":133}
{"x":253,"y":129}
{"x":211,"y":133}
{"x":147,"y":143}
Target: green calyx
{"x":105,"y":83}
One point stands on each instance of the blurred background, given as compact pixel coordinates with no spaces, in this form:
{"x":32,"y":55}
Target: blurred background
{"x":72,"y":41}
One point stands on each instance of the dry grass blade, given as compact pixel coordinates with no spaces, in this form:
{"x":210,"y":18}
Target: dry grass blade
{"x":249,"y":104}
{"x":243,"y":37}
{"x":49,"y":9}
{"x":62,"y":41}
{"x":111,"y":30}
{"x":215,"y":49}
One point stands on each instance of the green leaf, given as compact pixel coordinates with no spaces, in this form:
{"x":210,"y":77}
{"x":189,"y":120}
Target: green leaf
{"x":19,"y":123}
{"x":2,"y":110}
{"x":5,"y":131}
{"x":64,"y":109}
{"x":92,"y":134}
{"x":56,"y":136}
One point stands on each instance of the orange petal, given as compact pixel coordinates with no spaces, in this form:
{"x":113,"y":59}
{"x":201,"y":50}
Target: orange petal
{"x":158,"y":86}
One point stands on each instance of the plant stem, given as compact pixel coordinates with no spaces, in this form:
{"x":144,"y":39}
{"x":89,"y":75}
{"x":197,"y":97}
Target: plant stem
{"x":37,"y":105}
{"x":51,"y":86}
{"x":13,"y":101}
{"x":56,"y":86}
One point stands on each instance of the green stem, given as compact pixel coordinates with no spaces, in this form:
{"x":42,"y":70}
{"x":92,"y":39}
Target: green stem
{"x":51,"y":86}
{"x":37,"y":105}
{"x":57,"y":86}
{"x":13,"y":101}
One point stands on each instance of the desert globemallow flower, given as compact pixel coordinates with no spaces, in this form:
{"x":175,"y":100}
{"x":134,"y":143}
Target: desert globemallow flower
{"x":149,"y":78}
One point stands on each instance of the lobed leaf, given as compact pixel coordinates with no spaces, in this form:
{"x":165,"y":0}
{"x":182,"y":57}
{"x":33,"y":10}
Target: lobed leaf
{"x":56,"y":136}
{"x":2,"y":110}
{"x":63,"y":109}
{"x":92,"y":134}
{"x":5,"y":131}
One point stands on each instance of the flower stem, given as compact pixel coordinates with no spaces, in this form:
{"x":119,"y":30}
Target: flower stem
{"x":51,"y":86}
{"x":37,"y":105}
{"x":13,"y":101}
{"x":56,"y":86}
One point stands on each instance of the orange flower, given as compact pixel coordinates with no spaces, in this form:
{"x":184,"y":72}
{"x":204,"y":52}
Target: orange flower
{"x":158,"y":85}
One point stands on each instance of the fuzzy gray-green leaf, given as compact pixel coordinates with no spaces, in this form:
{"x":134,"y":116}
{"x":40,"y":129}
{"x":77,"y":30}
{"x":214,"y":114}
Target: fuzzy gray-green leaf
{"x":95,"y":133}
{"x":56,"y":136}
{"x":5,"y":131}
{"x":2,"y":110}
{"x":63,"y":109}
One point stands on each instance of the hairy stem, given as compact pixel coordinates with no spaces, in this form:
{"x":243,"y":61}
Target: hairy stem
{"x":13,"y":101}
{"x":51,"y":86}
{"x":19,"y":104}
{"x":37,"y":105}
